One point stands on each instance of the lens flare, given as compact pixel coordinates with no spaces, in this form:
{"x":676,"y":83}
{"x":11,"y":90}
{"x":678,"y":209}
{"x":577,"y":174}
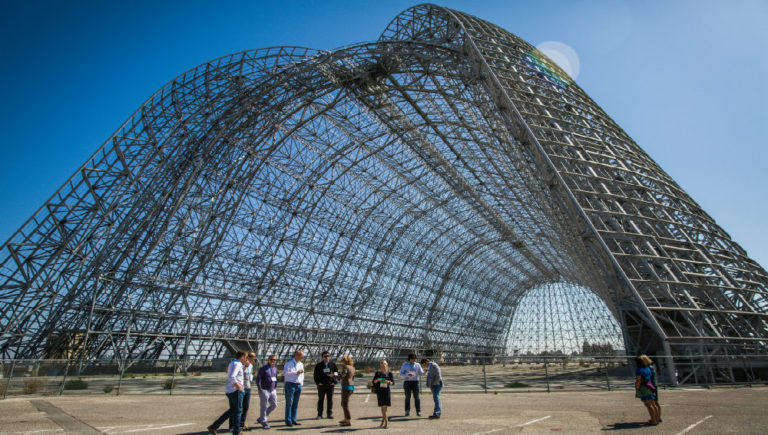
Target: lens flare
{"x":562,"y":55}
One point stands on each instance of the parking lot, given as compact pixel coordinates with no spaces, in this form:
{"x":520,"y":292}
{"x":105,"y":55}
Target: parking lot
{"x":685,"y":411}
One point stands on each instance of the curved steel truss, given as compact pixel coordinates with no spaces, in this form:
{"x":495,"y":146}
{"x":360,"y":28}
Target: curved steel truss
{"x":404,"y":194}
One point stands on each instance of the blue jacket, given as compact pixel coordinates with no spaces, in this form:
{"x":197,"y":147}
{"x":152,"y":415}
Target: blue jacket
{"x":264,"y":377}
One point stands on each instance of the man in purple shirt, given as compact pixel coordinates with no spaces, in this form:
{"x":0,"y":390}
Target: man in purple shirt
{"x":266,"y":380}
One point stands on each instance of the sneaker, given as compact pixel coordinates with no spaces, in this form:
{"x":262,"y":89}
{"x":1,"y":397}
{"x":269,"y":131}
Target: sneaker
{"x":418,"y":413}
{"x":296,"y":423}
{"x":434,"y":417}
{"x":288,"y":423}
{"x":407,"y":413}
{"x":244,"y":428}
{"x":329,"y":416}
{"x":211,"y":430}
{"x":319,"y":417}
{"x":264,"y":425}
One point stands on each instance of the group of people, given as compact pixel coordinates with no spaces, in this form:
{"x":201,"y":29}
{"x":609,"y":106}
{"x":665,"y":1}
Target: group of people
{"x":646,"y":388}
{"x":326,"y":375}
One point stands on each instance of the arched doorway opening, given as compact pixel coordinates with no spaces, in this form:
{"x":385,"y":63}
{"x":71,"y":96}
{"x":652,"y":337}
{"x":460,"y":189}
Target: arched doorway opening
{"x":563,"y":318}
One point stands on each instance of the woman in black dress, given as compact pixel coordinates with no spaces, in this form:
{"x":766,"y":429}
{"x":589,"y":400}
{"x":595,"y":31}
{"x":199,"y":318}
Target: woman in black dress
{"x":382,"y":383}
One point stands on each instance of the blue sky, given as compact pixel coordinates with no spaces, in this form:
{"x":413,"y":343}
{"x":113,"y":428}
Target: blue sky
{"x":685,"y":79}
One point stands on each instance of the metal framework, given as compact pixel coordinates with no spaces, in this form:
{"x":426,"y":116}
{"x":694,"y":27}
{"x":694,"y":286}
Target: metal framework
{"x":403,"y":194}
{"x":563,"y":319}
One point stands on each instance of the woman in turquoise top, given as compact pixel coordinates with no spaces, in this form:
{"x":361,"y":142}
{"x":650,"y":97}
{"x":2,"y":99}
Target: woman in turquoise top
{"x":347,"y":387}
{"x":646,"y":389}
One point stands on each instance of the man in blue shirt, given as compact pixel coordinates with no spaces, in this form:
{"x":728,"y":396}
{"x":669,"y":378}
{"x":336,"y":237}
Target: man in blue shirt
{"x":234,"y":391}
{"x":410,"y":371}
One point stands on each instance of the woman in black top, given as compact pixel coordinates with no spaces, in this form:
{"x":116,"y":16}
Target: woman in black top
{"x":382,"y":381}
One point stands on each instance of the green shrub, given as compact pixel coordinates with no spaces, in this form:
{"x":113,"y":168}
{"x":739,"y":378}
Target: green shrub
{"x":517,"y":385}
{"x":108,"y":389}
{"x":169,"y":384}
{"x":75,"y":384}
{"x":32,"y":385}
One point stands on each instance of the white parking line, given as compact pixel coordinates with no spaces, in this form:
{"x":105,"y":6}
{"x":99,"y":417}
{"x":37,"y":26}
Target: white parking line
{"x":159,"y":427}
{"x":694,"y":425}
{"x":137,"y":427}
{"x":367,"y":396}
{"x":533,"y":421}
{"x":34,"y":431}
{"x":519,"y":425}
{"x":490,"y":431}
{"x":110,"y":429}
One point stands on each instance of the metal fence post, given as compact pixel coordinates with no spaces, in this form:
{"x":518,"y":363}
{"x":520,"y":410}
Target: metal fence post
{"x":173,"y":380}
{"x":120,"y":380}
{"x":546,"y":372}
{"x":8,"y":382}
{"x":64,"y":381}
{"x":485,"y":379}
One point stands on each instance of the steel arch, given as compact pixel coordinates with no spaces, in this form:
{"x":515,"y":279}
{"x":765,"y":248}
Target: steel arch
{"x":403,"y":194}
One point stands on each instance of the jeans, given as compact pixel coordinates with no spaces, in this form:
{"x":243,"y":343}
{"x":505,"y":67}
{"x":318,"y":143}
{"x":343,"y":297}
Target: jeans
{"x":233,"y":413}
{"x":267,"y":397}
{"x":323,"y":392}
{"x":412,"y":387}
{"x":246,"y":405}
{"x":292,"y":393}
{"x":436,"y":397}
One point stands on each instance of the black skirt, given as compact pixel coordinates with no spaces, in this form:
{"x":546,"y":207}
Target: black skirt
{"x":383,"y":396}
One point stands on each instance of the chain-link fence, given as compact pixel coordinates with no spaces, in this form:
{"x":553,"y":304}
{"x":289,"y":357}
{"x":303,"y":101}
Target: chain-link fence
{"x":473,"y":374}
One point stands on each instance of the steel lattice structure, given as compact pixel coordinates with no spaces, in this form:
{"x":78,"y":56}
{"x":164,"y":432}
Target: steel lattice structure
{"x":403,"y":194}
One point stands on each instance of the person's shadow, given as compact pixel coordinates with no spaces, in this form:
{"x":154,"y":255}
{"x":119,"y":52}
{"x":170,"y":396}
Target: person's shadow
{"x":629,"y":425}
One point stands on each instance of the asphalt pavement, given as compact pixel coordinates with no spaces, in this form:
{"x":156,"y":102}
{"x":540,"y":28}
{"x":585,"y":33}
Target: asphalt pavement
{"x":685,"y":411}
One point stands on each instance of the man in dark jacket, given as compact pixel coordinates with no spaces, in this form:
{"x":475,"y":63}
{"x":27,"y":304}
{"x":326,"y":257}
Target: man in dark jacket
{"x":325,"y":378}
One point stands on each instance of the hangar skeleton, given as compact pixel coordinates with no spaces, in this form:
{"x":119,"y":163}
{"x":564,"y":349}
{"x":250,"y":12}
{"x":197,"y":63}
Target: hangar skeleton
{"x":402,"y":194}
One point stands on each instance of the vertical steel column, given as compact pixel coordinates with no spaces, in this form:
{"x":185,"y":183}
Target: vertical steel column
{"x":8,"y":382}
{"x":485,"y":379}
{"x":64,"y":381}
